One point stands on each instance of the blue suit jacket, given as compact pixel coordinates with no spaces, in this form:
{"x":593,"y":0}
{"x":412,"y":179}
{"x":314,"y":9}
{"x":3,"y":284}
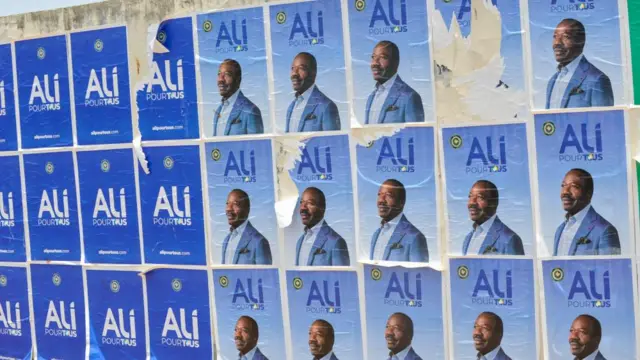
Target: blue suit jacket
{"x":411,"y":355}
{"x":588,"y":87}
{"x":258,"y":355}
{"x":252,"y":249}
{"x":597,"y":237}
{"x":244,"y":118}
{"x":320,"y":114}
{"x":406,"y":243}
{"x":403,"y":104}
{"x":500,"y":240}
{"x":599,"y":356}
{"x":501,"y":355}
{"x":329,"y":249}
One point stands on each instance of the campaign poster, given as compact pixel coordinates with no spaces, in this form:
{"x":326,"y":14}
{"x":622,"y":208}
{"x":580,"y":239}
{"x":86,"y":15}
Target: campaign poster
{"x":583,"y":192}
{"x":576,"y":54}
{"x":404,"y":312}
{"x":179,"y":314}
{"x":116,"y":315}
{"x":249,"y":314}
{"x":233,"y":73}
{"x":309,"y":66}
{"x":172,"y":206}
{"x":478,"y":59}
{"x":488,"y":190}
{"x":58,"y":310}
{"x":52,"y":206}
{"x":101,"y":86}
{"x":242,"y":218}
{"x":397,"y":197}
{"x":109,"y":206}
{"x":390,"y":62}
{"x":168,"y":103}
{"x":43,"y":92}
{"x":12,"y":237}
{"x":15,"y":321}
{"x":322,"y":231}
{"x":493,"y":309}
{"x":8,"y":123}
{"x":589,"y":309}
{"x":323,"y":304}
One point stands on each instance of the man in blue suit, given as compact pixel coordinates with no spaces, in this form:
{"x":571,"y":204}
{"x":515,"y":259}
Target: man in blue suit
{"x":399,"y":334}
{"x":311,"y":110}
{"x":392,"y":101}
{"x":246,"y":336}
{"x":487,"y":336}
{"x":490,"y":236}
{"x":577,"y":83}
{"x":244,"y":244}
{"x":584,"y":338}
{"x":396,"y":239}
{"x":321,"y":340}
{"x":584,"y":231}
{"x":320,"y":245}
{"x":236,"y":114}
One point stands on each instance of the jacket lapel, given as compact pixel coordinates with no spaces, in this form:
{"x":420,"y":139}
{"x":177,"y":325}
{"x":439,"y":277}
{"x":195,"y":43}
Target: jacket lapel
{"x":576,"y":80}
{"x":391,"y":99}
{"x":289,"y":112}
{"x":309,"y":108}
{"x":247,"y":235}
{"x":235,"y":112}
{"x":492,"y":235}
{"x":368,"y":108}
{"x":588,"y":223}
{"x":550,"y":86}
{"x":467,"y":241}
{"x":319,"y":242}
{"x":396,"y":237}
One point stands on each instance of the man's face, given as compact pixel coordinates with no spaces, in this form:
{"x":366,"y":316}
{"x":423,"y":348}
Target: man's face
{"x":311,"y":211}
{"x":573,"y":193}
{"x":237,"y":210}
{"x":320,"y":342}
{"x":581,"y":338}
{"x":302,"y":75}
{"x":383,"y":65}
{"x":397,"y":338}
{"x":480,"y":204}
{"x":389,"y":205}
{"x":565,"y":43}
{"x":485,"y":338}
{"x":244,"y":336}
{"x":228,"y":81}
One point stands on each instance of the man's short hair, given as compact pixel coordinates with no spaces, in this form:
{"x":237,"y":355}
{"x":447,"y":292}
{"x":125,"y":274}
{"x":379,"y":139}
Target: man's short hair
{"x":254,"y":325}
{"x":499,"y":326}
{"x":236,"y":67}
{"x":407,"y":320}
{"x":595,"y":324}
{"x":322,"y":202}
{"x":578,"y":31}
{"x":328,"y":326}
{"x":395,"y":52}
{"x":586,"y":177}
{"x":400,"y":186}
{"x":312,"y":61}
{"x":494,"y":195}
{"x":243,"y":196}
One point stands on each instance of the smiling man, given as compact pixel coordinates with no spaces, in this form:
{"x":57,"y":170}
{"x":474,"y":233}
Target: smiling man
{"x":399,"y":334}
{"x":487,"y":337}
{"x":584,"y":231}
{"x":246,"y":336}
{"x":321,"y":340}
{"x":584,"y":338}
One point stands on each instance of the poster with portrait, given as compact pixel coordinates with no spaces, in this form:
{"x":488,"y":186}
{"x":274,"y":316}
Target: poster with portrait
{"x":12,"y":226}
{"x":398,"y":215}
{"x":493,"y":307}
{"x":309,"y":66}
{"x":583,"y":189}
{"x":8,"y":120}
{"x":589,"y":309}
{"x":15,"y":321}
{"x":242,"y":218}
{"x":232,"y":55}
{"x":488,"y":190}
{"x":404,"y":312}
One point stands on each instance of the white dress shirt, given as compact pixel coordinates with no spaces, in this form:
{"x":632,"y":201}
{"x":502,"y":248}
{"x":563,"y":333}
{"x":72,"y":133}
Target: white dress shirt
{"x":490,"y":355}
{"x":307,"y":243}
{"x":570,"y":229}
{"x":248,"y":355}
{"x":234,"y":240}
{"x":479,"y":234}
{"x":402,"y":354}
{"x":227,"y":106}
{"x":385,"y":235}
{"x":593,"y":355}
{"x":381,"y":94}
{"x":562,"y":81}
{"x":300,"y":103}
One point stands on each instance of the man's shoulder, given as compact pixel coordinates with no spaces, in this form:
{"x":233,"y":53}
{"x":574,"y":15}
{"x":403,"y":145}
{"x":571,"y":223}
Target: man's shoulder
{"x":321,"y":98}
{"x":592,"y":71}
{"x":253,"y":232}
{"x":330,"y":234}
{"x":403,"y":88}
{"x":502,"y":355}
{"x":410,"y":229}
{"x":245,"y":103}
{"x":504,"y":229}
{"x":600,"y":220}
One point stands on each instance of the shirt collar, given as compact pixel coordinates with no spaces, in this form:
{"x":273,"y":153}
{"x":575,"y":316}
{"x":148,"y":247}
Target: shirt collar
{"x":580,"y":215}
{"x":491,"y":355}
{"x":402,"y":354}
{"x":571,"y":67}
{"x":240,"y":228}
{"x":305,"y":95}
{"x":328,"y":356}
{"x":232,"y":98}
{"x":592,"y":356}
{"x":316,"y":227}
{"x":394,"y":221}
{"x":487,"y":224}
{"x":387,"y":84}
{"x":249,"y":355}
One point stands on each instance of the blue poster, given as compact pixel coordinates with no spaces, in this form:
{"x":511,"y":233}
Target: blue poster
{"x":179,"y":317}
{"x":589,"y":309}
{"x":15,"y":324}
{"x":101,"y":86}
{"x":397,"y":188}
{"x":582,"y":184}
{"x":404,"y":312}
{"x":323,"y":304}
{"x":52,"y":206}
{"x":12,"y":239}
{"x":109,"y":206}
{"x":309,"y":66}
{"x":322,"y":232}
{"x":390,"y":61}
{"x":493,"y":307}
{"x":116,"y":315}
{"x":249,"y":314}
{"x":172,"y":206}
{"x":242,"y":220}
{"x":58,"y":309}
{"x":576,"y":54}
{"x":233,"y":67}
{"x":168,"y":104}
{"x":43,"y":92}
{"x":8,"y":124}
{"x":488,"y":190}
